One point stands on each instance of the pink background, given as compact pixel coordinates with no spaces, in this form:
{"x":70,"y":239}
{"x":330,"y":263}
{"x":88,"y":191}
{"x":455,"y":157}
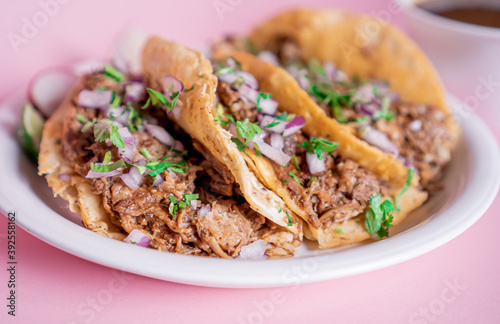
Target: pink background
{"x":457,"y":283}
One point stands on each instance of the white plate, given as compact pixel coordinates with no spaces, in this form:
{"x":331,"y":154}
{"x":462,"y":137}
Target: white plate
{"x":471,"y":183}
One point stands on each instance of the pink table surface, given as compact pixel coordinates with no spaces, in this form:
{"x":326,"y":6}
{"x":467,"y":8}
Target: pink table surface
{"x":456,"y":283}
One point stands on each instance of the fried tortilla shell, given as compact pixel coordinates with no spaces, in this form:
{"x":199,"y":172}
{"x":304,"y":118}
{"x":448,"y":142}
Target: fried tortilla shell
{"x":60,"y":176}
{"x":161,"y":58}
{"x":291,"y":98}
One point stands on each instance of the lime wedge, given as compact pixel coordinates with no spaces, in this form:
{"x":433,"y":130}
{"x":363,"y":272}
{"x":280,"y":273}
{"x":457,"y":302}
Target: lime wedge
{"x":31,"y":131}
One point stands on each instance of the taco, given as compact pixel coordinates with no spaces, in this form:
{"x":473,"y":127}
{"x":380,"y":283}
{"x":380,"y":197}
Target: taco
{"x":341,"y":201}
{"x":132,"y":173}
{"x":368,"y":78}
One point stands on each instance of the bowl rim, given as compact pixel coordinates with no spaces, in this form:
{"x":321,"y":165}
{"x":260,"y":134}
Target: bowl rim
{"x":422,"y":15}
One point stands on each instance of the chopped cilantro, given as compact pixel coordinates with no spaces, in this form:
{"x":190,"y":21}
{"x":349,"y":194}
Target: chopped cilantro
{"x":379,"y":216}
{"x":107,"y":167}
{"x":190,"y":197}
{"x":239,"y":144}
{"x":158,"y":167}
{"x":339,"y":115}
{"x":363,"y":119}
{"x":247,"y":130}
{"x":384,"y":112}
{"x":405,"y":188}
{"x":117,"y":101}
{"x":340,"y":231}
{"x":113,"y":73}
{"x":187,"y":90}
{"x":105,"y":129}
{"x":133,"y":242}
{"x":107,"y":157}
{"x":290,"y":221}
{"x":292,"y":174}
{"x":257,"y":149}
{"x":219,"y":114}
{"x":318,"y":145}
{"x":81,"y":119}
{"x":262,"y":95}
{"x":285,"y":183}
{"x":296,"y":163}
{"x":273,"y":123}
{"x":158,"y":99}
{"x":316,"y":67}
{"x":145,"y":152}
{"x":313,"y":178}
{"x":225,"y":70}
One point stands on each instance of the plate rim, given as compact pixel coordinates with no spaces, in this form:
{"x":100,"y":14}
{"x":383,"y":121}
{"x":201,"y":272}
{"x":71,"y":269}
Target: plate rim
{"x":223,"y":273}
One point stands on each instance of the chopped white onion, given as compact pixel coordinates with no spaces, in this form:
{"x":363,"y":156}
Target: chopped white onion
{"x":254,"y":251}
{"x":203,"y":211}
{"x":314,"y":163}
{"x":160,"y":134}
{"x":128,"y":151}
{"x":118,"y":114}
{"x":380,"y":140}
{"x":137,"y":237}
{"x":95,"y":98}
{"x":194,"y":203}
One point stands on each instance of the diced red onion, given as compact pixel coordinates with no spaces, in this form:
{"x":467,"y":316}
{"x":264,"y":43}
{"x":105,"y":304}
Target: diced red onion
{"x":95,"y":98}
{"x":128,"y":151}
{"x":64,"y":177}
{"x":134,"y":92}
{"x":171,"y":85}
{"x":367,"y":109}
{"x":176,"y":112}
{"x":203,"y":211}
{"x":364,"y":94}
{"x":160,"y":134}
{"x":249,"y":93}
{"x":194,"y":203}
{"x":118,"y":114}
{"x":279,"y":128}
{"x":273,"y":153}
{"x":141,"y":239}
{"x":247,"y":78}
{"x":303,"y":82}
{"x":330,"y":70}
{"x":277,"y":141}
{"x":178,"y":146}
{"x":269,"y":57}
{"x":94,"y":174}
{"x":268,"y":106}
{"x":415,"y":125}
{"x":294,"y":125}
{"x":133,"y":178}
{"x":314,"y":163}
{"x":380,"y":140}
{"x":232,"y":129}
{"x":158,"y":180}
{"x":254,"y":251}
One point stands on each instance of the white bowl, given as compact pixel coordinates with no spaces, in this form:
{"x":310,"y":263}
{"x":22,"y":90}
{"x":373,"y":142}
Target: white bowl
{"x":467,"y":56}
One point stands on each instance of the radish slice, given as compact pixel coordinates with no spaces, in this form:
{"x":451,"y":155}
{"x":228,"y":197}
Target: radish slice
{"x":314,"y":163}
{"x":254,"y":251}
{"x":137,"y":237}
{"x":49,"y":87}
{"x":128,"y":50}
{"x":86,"y":67}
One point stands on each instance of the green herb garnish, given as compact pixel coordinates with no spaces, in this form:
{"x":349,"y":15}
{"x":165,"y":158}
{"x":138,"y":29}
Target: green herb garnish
{"x":405,"y":188}
{"x":292,"y":174}
{"x":247,"y":130}
{"x":296,"y":163}
{"x":107,"y":167}
{"x":81,"y":119}
{"x":113,"y":73}
{"x":290,"y":221}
